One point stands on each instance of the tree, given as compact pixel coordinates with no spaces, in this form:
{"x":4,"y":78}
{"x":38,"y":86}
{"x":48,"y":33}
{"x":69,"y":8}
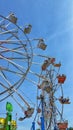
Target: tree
{"x":70,"y":128}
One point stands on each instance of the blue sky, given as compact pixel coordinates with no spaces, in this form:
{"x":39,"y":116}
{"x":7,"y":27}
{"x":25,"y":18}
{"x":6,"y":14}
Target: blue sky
{"x":53,"y":21}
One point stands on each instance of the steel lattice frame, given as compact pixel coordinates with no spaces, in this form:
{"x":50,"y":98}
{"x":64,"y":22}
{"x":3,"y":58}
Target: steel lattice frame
{"x":51,"y":112}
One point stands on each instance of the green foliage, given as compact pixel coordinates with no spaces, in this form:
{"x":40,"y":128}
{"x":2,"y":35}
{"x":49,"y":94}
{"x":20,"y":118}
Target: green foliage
{"x":71,"y":128}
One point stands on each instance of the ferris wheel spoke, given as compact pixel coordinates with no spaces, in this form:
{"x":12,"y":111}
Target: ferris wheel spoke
{"x":17,"y":58}
{"x":5,"y":88}
{"x":4,"y":98}
{"x":17,"y":102}
{"x":11,"y":71}
{"x":60,"y":113}
{"x":4,"y":18}
{"x":21,"y":97}
{"x":50,"y":121}
{"x":13,"y":63}
{"x":13,"y":51}
{"x":38,"y":75}
{"x":7,"y":24}
{"x":5,"y":78}
{"x":32,"y":81}
{"x":35,"y":63}
{"x":24,"y":94}
{"x":9,"y":31}
{"x":10,"y":90}
{"x":43,"y":56}
{"x":13,"y":35}
{"x":7,"y":81}
{"x":17,"y":84}
{"x":57,"y":87}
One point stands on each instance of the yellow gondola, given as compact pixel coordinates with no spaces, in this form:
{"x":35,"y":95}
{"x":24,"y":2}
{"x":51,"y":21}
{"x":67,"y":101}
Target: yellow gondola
{"x":2,"y":123}
{"x":13,"y":125}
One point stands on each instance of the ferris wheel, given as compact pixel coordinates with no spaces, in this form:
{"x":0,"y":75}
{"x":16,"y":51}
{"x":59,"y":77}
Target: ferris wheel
{"x":51,"y":97}
{"x":15,"y":55}
{"x":21,"y":60}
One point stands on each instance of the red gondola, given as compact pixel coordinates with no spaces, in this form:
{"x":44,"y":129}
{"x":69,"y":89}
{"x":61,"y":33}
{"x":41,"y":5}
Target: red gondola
{"x":61,"y":79}
{"x":62,"y":126}
{"x":52,"y":60}
{"x":47,"y":63}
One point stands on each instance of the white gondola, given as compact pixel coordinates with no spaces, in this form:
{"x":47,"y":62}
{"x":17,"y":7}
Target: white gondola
{"x":43,"y":84}
{"x":27,"y":29}
{"x":41,"y":44}
{"x":13,"y":19}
